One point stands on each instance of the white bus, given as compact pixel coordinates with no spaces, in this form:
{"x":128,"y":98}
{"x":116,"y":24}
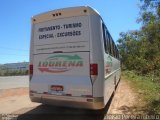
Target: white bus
{"x":73,"y":60}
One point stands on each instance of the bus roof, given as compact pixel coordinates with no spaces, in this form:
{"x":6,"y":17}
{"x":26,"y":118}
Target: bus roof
{"x":64,"y":12}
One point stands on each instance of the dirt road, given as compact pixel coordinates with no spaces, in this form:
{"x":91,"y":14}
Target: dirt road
{"x":17,"y":101}
{"x":124,"y":100}
{"x":8,"y":82}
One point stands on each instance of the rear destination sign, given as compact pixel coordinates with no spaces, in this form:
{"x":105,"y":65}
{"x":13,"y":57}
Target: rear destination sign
{"x":60,"y":63}
{"x":53,"y":28}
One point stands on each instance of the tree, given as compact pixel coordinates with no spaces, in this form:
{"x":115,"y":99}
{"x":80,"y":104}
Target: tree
{"x":140,"y":49}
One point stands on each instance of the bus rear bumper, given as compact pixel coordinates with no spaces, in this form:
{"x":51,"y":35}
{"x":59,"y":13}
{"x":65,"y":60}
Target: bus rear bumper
{"x":70,"y":101}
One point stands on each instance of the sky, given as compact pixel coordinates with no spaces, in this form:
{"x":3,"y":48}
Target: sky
{"x":15,"y":21}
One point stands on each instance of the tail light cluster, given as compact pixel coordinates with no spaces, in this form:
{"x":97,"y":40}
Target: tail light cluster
{"x":93,"y":72}
{"x":31,"y":69}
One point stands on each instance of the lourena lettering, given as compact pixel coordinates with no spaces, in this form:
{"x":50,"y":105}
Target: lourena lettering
{"x":60,"y":63}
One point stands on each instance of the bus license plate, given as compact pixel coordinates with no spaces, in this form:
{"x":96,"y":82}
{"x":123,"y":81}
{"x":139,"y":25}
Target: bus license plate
{"x":56,"y":88}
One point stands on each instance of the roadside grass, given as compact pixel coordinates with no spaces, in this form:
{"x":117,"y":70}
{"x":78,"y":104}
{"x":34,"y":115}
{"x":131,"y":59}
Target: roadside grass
{"x":148,"y":92}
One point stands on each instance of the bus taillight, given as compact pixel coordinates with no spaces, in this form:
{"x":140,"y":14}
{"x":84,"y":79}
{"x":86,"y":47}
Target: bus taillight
{"x":93,"y":71}
{"x":31,"y":69}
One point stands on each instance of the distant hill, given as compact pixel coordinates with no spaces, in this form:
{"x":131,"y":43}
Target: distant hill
{"x":15,"y":66}
{"x":12,"y":69}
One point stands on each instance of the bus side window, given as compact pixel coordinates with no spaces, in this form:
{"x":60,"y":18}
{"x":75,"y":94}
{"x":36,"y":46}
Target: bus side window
{"x":114,"y":49}
{"x":104,"y":37}
{"x":117,"y":53}
{"x":108,"y":42}
{"x":110,"y":45}
{"x":107,"y":51}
